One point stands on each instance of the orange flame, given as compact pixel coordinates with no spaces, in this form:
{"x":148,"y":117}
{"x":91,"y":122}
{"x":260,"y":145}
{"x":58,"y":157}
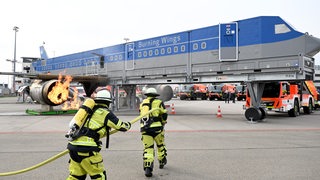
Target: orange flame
{"x":74,"y":102}
{"x":60,"y":91}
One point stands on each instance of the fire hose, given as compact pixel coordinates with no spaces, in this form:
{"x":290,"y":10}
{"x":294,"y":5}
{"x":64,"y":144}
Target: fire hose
{"x":67,"y":151}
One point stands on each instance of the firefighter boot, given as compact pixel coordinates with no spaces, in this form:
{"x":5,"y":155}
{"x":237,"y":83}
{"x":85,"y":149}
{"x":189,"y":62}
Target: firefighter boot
{"x":162,"y":162}
{"x":148,"y":170}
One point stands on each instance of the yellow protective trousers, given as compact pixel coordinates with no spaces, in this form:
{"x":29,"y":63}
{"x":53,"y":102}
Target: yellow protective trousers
{"x":82,"y":164}
{"x":148,"y":140}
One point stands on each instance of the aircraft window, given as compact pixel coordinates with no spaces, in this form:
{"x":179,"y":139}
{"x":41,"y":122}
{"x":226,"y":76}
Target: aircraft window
{"x":175,"y":49}
{"x":150,"y":53}
{"x":203,"y":45}
{"x":111,"y":58}
{"x":183,"y":48}
{"x":281,"y":28}
{"x":162,"y":51}
{"x":120,"y":57}
{"x":169,"y":50}
{"x":115,"y":57}
{"x":145,"y":53}
{"x":139,"y":54}
{"x":195,"y":46}
{"x":156,"y":52}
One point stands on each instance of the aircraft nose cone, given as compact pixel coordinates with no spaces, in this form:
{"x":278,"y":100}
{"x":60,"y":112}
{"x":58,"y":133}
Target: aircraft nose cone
{"x":312,"y":45}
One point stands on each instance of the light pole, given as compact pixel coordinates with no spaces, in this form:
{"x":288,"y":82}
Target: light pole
{"x":16,"y":29}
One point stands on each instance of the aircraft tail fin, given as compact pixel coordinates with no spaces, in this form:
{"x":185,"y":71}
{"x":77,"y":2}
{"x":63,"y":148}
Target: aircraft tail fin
{"x":43,"y":53}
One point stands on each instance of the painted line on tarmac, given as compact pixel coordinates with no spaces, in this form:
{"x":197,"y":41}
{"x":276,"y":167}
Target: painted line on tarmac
{"x":33,"y":132}
{"x":178,"y":131}
{"x":247,"y":130}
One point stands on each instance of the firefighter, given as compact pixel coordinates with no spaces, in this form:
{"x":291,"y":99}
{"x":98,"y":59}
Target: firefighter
{"x":152,"y":130}
{"x":85,"y":147}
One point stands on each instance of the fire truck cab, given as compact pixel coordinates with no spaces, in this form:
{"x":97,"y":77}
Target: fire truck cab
{"x":193,"y":91}
{"x":282,"y":97}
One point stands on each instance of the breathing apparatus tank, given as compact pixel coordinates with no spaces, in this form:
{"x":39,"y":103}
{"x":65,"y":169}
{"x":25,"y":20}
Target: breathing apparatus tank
{"x":144,"y":109}
{"x":147,"y":105}
{"x":80,"y":118}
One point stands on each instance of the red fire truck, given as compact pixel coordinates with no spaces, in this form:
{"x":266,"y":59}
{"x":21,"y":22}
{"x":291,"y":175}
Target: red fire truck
{"x":286,"y":97}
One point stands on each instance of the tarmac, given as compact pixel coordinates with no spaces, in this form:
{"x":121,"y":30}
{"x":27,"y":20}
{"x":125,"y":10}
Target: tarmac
{"x":200,"y":144}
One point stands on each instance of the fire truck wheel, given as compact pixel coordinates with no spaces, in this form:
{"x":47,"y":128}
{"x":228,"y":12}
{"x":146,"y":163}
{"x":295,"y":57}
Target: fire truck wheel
{"x":263,"y":113}
{"x":308,"y":110}
{"x":253,"y":114}
{"x":295,"y":111}
{"x":204,"y":97}
{"x":183,"y":97}
{"x":193,"y":98}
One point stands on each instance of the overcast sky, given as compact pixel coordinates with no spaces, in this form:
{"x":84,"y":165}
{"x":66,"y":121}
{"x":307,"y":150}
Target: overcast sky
{"x":70,"y":26}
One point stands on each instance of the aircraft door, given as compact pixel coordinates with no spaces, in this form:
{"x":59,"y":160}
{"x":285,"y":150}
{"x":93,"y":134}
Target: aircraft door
{"x":228,"y":41}
{"x":129,"y":56}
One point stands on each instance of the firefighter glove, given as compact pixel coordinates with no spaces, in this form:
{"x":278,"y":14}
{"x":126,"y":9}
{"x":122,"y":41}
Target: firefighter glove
{"x":125,"y":126}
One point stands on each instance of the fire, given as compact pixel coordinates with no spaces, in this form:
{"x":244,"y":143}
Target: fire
{"x":74,"y":102}
{"x":60,"y":91}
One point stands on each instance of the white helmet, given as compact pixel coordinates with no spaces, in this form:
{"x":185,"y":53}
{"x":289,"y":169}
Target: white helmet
{"x":151,"y":92}
{"x":103,"y":95}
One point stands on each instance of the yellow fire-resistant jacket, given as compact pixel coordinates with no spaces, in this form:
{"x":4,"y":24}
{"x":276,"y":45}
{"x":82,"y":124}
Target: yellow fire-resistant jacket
{"x":101,"y":120}
{"x":158,"y":118}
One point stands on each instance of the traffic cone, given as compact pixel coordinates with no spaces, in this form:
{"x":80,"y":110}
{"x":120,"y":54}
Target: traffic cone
{"x":172,"y":109}
{"x":219,"y":115}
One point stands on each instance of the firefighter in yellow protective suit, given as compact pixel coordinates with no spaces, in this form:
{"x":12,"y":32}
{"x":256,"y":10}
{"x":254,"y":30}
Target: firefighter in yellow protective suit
{"x":152,"y":129}
{"x":85,"y":146}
